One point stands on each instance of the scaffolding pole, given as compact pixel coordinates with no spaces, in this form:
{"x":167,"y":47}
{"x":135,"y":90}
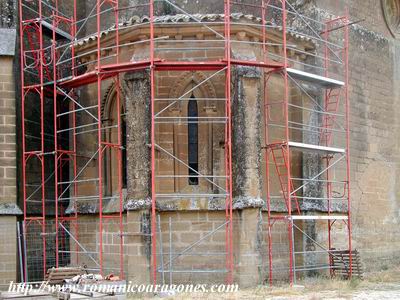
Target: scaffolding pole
{"x":281,"y":147}
{"x":43,"y":34}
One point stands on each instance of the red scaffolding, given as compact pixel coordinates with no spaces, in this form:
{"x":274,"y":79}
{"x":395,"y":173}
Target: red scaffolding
{"x":50,"y":68}
{"x":328,"y":139}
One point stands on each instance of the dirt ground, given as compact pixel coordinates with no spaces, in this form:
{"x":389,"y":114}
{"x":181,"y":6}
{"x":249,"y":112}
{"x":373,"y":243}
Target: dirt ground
{"x":380,"y":285}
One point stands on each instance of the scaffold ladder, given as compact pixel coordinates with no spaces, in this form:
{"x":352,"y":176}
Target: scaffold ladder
{"x":280,"y":156}
{"x":332,"y":100}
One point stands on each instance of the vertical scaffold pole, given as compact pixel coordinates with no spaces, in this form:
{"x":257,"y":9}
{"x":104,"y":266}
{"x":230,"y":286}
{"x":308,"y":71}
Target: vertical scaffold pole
{"x":22,"y":63}
{"x":323,"y":133}
{"x":29,"y":27}
{"x":56,"y":156}
{"x":346,"y":53}
{"x":267,"y":175}
{"x":99,"y":140}
{"x":119,"y":146}
{"x":153,"y":158}
{"x":286,"y":145}
{"x":228,"y":145}
{"x":42,"y":157}
{"x":74,"y":123}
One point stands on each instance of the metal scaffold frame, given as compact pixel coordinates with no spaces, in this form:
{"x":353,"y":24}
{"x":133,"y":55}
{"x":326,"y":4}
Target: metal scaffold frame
{"x":50,"y":69}
{"x":279,"y":150}
{"x":65,"y":191}
{"x":35,"y":50}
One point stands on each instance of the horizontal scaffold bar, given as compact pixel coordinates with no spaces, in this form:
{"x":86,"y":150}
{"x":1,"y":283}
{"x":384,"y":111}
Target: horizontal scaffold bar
{"x":331,"y":217}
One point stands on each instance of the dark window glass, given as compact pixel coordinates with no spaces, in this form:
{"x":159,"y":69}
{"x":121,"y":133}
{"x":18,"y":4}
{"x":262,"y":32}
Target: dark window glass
{"x":193,"y":141}
{"x":124,"y":160}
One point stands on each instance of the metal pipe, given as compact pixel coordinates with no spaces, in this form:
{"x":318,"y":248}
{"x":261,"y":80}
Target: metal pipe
{"x":189,"y":176}
{"x":73,"y":100}
{"x":186,"y":165}
{"x":189,"y":91}
{"x":20,"y":256}
{"x":195,"y":271}
{"x":293,"y":253}
{"x":79,"y":244}
{"x":190,"y":195}
{"x":319,"y":174}
{"x":79,"y":173}
{"x":187,"y":249}
{"x":187,"y":99}
{"x":170,"y":251}
{"x":320,"y":246}
{"x":161,"y":249}
{"x":92,"y":130}
{"x":81,"y":180}
{"x":302,"y":129}
{"x":76,"y":110}
{"x":77,"y":127}
{"x":190,"y":122}
{"x":316,"y":111}
{"x":319,"y":180}
{"x":194,"y":18}
{"x":26,"y":279}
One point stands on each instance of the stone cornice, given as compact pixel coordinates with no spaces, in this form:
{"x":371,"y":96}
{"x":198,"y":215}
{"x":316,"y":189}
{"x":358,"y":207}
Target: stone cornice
{"x":136,"y":33}
{"x":10,"y":209}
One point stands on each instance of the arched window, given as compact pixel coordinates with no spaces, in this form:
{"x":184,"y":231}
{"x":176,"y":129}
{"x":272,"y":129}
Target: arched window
{"x":124,"y":156}
{"x":110,"y":121}
{"x":196,"y":149}
{"x":193,"y":141}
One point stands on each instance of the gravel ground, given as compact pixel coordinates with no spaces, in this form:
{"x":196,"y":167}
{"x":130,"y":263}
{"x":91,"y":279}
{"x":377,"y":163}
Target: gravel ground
{"x":377,"y":286}
{"x":376,"y":293}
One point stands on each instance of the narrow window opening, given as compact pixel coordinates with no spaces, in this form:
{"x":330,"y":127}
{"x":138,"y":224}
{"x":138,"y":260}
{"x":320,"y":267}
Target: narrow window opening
{"x":124,"y":154}
{"x":193,"y":139}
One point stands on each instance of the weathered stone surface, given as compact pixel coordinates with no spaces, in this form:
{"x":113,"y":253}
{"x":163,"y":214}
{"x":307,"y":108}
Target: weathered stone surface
{"x":8,"y":14}
{"x":136,"y":90}
{"x":375,"y":136}
{"x":242,"y":202}
{"x":7,"y":38}
{"x":10,"y":209}
{"x":246,"y":137}
{"x":9,"y":249}
{"x":137,"y":204}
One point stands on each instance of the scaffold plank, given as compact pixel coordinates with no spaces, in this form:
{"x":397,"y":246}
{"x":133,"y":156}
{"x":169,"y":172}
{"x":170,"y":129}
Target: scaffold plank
{"x":267,"y":65}
{"x":60,"y":34}
{"x":189,"y":65}
{"x":107,"y":71}
{"x":332,"y":217}
{"x":322,"y":81}
{"x":311,"y":147}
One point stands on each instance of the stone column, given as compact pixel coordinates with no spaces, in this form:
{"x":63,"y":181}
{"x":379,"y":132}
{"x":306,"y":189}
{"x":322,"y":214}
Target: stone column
{"x":138,"y":246}
{"x":136,"y":90}
{"x":247,"y":245}
{"x":246,"y":139}
{"x":246,"y":161}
